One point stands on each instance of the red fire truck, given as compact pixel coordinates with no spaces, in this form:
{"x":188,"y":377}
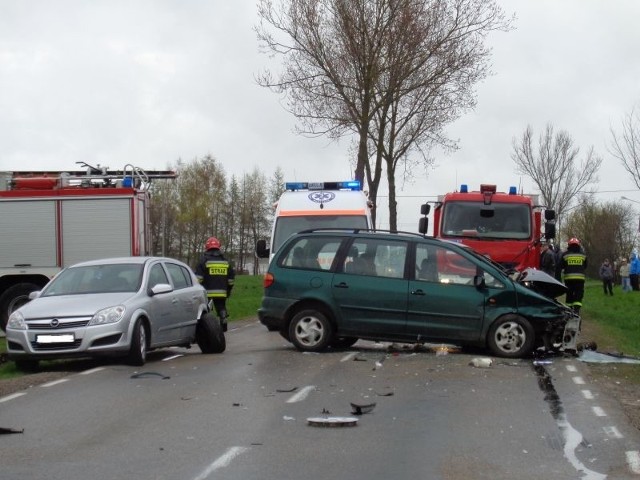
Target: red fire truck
{"x":53,"y":219}
{"x":505,"y":226}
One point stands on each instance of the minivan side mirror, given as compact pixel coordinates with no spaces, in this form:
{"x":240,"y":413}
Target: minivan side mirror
{"x":261,"y":249}
{"x":478,"y":281}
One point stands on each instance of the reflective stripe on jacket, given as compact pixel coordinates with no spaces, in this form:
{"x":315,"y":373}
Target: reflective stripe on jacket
{"x":574,"y":265}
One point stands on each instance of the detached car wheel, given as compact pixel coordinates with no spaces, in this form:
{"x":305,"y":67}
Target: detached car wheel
{"x":138,"y":349}
{"x":511,"y":336}
{"x":310,"y":331}
{"x":13,"y":298}
{"x":210,"y":335}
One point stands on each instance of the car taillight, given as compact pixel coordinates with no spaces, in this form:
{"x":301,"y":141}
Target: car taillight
{"x":268,"y":280}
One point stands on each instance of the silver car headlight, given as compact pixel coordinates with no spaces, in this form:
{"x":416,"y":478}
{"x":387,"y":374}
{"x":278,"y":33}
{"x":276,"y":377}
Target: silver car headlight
{"x":108,"y":315}
{"x":16,"y":321}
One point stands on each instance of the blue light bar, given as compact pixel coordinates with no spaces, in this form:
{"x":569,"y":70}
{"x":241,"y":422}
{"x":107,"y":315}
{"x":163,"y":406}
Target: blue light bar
{"x":512,"y":190}
{"x":464,"y":188}
{"x":353,"y":185}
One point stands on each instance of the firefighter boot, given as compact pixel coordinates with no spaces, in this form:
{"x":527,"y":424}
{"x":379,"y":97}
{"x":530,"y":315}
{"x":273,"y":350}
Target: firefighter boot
{"x":223,"y":319}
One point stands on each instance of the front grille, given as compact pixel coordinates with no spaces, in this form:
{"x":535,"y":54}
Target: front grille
{"x":46,"y":325}
{"x":49,"y":347}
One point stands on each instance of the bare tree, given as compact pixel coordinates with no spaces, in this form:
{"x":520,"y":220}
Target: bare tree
{"x":606,"y":230}
{"x":555,"y":166}
{"x":391,"y":71}
{"x":626,"y":145}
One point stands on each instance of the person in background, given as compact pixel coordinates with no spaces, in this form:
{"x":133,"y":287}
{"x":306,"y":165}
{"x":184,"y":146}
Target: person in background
{"x":217,"y":276}
{"x":547,"y":259}
{"x":624,"y":276}
{"x":606,"y":275}
{"x":634,"y":270}
{"x":573,"y":266}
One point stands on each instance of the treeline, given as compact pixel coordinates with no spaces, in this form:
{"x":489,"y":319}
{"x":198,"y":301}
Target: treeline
{"x":203,"y":201}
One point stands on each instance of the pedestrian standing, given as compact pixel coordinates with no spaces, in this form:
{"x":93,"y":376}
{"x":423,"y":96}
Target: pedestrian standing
{"x":606,"y":275}
{"x":547,"y":259}
{"x":574,"y":265}
{"x":217,"y":276}
{"x":634,"y":270}
{"x":624,"y":276}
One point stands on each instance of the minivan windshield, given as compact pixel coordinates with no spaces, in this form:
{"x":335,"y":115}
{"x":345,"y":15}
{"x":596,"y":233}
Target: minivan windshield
{"x":287,"y":226}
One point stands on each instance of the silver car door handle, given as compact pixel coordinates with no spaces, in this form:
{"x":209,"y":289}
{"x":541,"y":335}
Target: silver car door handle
{"x":342,"y":285}
{"x":418,"y":292}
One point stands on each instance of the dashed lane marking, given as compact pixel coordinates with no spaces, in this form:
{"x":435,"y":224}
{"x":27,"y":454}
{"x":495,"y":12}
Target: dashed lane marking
{"x":612,"y":432}
{"x":91,"y":370}
{"x":572,"y":368}
{"x":55,"y":382}
{"x":11,"y":397}
{"x":578,"y":380}
{"x":587,"y":394}
{"x":598,"y":412}
{"x":633,"y":460}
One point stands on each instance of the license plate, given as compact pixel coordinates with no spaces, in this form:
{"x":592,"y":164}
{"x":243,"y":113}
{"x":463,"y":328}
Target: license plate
{"x":62,"y":338}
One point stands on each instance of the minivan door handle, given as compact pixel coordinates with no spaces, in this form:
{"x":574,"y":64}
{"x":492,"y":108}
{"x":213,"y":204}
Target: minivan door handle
{"x":342,"y":285}
{"x":418,"y":292}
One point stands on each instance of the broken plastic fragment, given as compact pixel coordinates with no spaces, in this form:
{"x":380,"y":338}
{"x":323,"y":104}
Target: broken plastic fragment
{"x":362,"y":409}
{"x":481,"y":362}
{"x":150,"y":374}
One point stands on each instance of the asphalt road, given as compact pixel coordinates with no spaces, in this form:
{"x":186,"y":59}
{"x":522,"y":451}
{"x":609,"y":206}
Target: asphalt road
{"x":245,"y":415}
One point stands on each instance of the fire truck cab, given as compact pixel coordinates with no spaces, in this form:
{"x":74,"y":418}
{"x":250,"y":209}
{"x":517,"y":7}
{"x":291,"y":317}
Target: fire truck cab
{"x":53,"y":219}
{"x":505,"y":226}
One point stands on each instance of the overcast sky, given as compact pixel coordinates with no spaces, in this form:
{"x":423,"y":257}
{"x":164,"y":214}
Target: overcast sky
{"x":117,"y":82}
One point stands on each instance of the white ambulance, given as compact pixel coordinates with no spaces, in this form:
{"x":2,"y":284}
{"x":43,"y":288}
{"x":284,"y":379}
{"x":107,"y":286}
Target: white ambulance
{"x":310,"y":205}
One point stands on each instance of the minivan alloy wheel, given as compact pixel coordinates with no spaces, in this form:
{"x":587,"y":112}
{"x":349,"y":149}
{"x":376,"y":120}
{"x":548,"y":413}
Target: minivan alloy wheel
{"x":511,"y":336}
{"x":310,"y":330}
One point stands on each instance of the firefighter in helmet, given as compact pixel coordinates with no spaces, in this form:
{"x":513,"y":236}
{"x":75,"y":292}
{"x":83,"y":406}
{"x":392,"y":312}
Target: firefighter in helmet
{"x":574,"y":266}
{"x":216,"y":275}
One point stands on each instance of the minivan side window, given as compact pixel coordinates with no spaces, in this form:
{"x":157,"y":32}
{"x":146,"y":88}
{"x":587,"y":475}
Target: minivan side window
{"x":381,"y":258}
{"x":315,"y":253}
{"x":435,"y":263}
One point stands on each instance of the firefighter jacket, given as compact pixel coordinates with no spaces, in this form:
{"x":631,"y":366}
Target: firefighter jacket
{"x":574,"y":265}
{"x":216,"y":274}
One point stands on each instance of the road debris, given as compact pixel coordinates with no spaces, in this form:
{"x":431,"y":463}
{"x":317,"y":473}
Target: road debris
{"x":7,"y":431}
{"x":332,"y":421}
{"x":286,"y":390}
{"x":150,"y":374}
{"x":479,"y":362}
{"x":357,"y":409}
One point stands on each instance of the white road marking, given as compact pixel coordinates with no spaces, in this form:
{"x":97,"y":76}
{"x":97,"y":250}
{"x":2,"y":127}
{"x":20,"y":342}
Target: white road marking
{"x":612,"y":432}
{"x":55,"y":382}
{"x":302,"y":394}
{"x":221,"y":462}
{"x":348,"y":357}
{"x":572,"y":368}
{"x":12,"y":396}
{"x":599,"y":412}
{"x":92,"y":370}
{"x":578,"y":380}
{"x":587,"y":394}
{"x":633,"y":460}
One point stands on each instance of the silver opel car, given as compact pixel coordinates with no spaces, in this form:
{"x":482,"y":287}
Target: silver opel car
{"x":116,"y":306}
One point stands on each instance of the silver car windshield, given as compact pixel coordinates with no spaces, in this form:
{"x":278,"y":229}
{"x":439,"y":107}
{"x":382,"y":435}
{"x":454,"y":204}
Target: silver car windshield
{"x":96,"y":279}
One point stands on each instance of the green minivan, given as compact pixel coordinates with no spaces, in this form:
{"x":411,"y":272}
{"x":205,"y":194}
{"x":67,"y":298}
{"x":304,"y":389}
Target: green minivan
{"x":329,"y":288}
